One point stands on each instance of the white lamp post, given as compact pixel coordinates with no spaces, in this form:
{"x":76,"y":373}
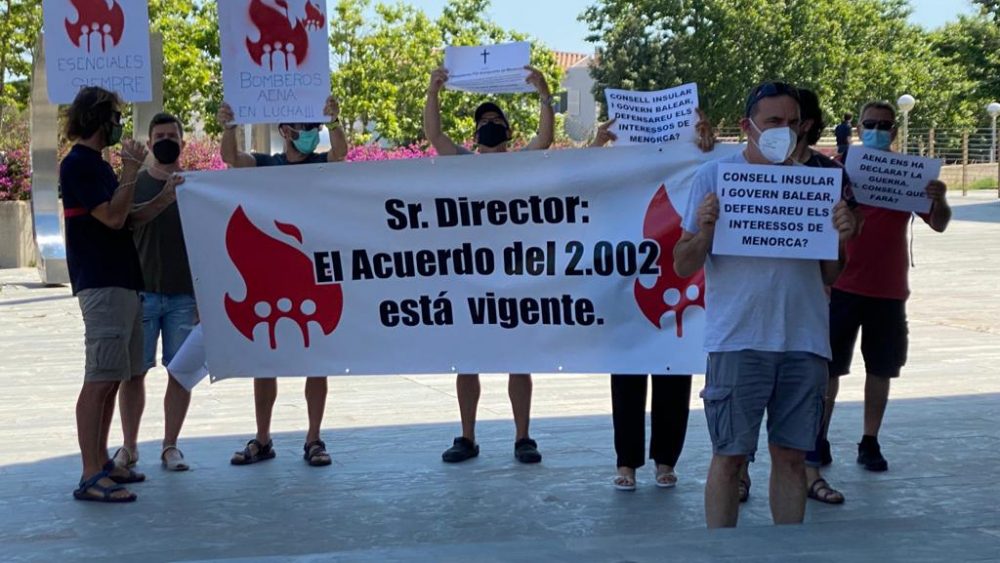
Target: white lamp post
{"x":994,"y":111}
{"x":905,"y":104}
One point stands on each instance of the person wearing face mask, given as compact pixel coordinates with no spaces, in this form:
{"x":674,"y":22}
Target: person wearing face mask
{"x":106,"y":279}
{"x":168,"y":306}
{"x":767,"y":328}
{"x":301,"y":140}
{"x":870,"y":296}
{"x":492,"y":135}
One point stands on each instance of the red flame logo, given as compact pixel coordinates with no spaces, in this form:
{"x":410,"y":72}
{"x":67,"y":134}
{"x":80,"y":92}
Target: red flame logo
{"x":315,"y":19}
{"x":98,"y":26}
{"x":281,"y":46}
{"x":670,"y":292}
{"x":280,"y":282}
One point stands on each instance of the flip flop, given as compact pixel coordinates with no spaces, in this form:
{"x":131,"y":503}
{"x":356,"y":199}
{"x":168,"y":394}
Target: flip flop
{"x":174,"y":464}
{"x":83,"y":491}
{"x":623,"y":483}
{"x":666,"y":479}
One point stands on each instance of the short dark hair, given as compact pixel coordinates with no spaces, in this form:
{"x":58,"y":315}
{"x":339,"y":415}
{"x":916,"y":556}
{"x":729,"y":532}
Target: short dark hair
{"x":769,"y":90}
{"x":809,"y":106}
{"x":847,"y":117}
{"x":91,"y":110}
{"x":883,"y":105}
{"x":164,"y":118}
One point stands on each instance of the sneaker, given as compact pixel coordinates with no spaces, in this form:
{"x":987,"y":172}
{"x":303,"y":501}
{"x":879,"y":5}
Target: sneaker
{"x":462,"y":449}
{"x":825,"y":455}
{"x":870,"y":455}
{"x":526,"y":451}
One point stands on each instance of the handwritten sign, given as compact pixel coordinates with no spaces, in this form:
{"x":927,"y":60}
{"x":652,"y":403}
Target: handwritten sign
{"x":489,"y":69}
{"x":777,"y":211}
{"x":275,"y":60}
{"x":890,"y":180}
{"x":97,"y":43}
{"x":653,"y":117}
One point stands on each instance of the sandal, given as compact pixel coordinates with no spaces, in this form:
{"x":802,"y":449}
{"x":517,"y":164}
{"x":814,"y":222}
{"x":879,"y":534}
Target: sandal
{"x":125,"y":457}
{"x":315,"y":454}
{"x":176,"y":462}
{"x":254,"y":452}
{"x":624,"y":483}
{"x":131,"y":477}
{"x":744,"y":489}
{"x":666,"y":478}
{"x":83,"y":492}
{"x":822,"y":491}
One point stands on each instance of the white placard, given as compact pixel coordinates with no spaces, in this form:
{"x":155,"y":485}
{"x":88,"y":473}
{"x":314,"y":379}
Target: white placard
{"x":653,"y":117}
{"x":777,"y":211}
{"x":891,"y":180}
{"x":275,"y":60}
{"x":489,"y":69}
{"x":97,"y":43}
{"x":447,"y":265}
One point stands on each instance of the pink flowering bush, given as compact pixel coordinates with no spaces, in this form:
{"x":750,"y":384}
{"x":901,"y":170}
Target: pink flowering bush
{"x":198,"y":154}
{"x":15,"y":175}
{"x":366,"y":153}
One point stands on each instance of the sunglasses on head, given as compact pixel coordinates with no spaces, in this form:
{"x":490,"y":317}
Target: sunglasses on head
{"x":769,"y":90}
{"x":880,"y":124}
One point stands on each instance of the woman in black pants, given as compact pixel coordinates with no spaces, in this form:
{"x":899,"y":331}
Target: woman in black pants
{"x":669,"y":414}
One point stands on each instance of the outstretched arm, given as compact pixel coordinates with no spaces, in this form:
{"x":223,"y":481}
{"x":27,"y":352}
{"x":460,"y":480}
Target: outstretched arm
{"x":231,"y":154}
{"x":547,"y":115}
{"x":432,"y":116}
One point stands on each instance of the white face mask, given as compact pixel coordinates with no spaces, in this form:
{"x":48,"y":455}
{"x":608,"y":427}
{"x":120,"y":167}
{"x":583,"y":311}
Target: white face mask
{"x":776,"y":144}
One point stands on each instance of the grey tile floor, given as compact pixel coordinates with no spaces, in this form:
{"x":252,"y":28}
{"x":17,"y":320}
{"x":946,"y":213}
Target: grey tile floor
{"x":388,"y":497}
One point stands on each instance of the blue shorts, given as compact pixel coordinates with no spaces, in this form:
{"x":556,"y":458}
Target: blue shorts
{"x":173,"y":316}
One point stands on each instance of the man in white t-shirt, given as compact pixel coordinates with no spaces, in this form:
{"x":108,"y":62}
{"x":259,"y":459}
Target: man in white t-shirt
{"x":767,"y":331}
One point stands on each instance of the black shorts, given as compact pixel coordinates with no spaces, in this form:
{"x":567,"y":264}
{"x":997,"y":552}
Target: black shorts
{"x":884,"y":333}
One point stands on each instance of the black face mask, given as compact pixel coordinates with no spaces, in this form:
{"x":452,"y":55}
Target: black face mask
{"x":166,"y":151}
{"x":491,"y":134}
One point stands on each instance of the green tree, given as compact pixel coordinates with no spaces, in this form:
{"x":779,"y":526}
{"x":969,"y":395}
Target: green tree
{"x":973,"y":43}
{"x":20,"y":22}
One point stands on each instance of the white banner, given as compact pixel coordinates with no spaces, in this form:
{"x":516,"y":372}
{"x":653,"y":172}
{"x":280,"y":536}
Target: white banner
{"x":777,"y":211}
{"x":97,"y":43}
{"x":275,"y":60}
{"x":891,"y":180}
{"x":489,"y":69}
{"x":653,"y":117}
{"x":523,"y":262}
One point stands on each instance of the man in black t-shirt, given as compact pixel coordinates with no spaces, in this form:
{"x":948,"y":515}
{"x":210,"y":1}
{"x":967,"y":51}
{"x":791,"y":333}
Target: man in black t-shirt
{"x":168,"y":306}
{"x":843,"y":134}
{"x":301,"y":140}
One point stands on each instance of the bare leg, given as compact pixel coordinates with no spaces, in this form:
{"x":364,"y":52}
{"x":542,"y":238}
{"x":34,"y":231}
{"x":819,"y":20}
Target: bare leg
{"x":832,"y":389}
{"x":722,"y":499}
{"x":876,"y":400}
{"x":265,"y":393}
{"x":468,"y":389}
{"x":131,"y":404}
{"x":106,"y":417}
{"x":90,"y":417}
{"x":788,"y":485}
{"x":519,"y":387}
{"x":316,"y":391}
{"x":175,"y":407}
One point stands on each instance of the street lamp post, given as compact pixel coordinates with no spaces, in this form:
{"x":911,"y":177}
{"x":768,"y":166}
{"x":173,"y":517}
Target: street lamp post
{"x":905,"y":104}
{"x":994,"y":111}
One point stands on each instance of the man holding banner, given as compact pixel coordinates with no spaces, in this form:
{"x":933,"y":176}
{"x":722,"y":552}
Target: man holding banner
{"x":870,"y":296}
{"x":301,"y":140}
{"x":492,"y":135}
{"x":767,"y":330}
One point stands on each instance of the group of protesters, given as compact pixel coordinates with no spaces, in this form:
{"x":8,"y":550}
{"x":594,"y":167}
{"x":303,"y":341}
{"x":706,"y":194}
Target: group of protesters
{"x":779,"y":332}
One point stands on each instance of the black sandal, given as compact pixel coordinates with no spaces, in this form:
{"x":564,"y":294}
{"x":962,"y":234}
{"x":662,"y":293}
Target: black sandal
{"x":822,"y":491}
{"x":83,"y":491}
{"x":247,"y":456}
{"x":315,"y":454}
{"x":131,"y":477}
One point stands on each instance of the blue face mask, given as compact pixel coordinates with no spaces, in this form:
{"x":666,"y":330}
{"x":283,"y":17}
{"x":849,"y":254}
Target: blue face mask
{"x":876,"y":139}
{"x":307,"y":142}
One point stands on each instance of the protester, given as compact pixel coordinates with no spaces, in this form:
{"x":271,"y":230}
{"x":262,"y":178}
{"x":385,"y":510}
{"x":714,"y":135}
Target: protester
{"x":493,"y":135}
{"x":168,"y":306}
{"x":671,"y":398}
{"x":301,"y":140}
{"x":767,"y":330}
{"x":843,"y":134}
{"x":106,"y":278}
{"x":870,"y":296}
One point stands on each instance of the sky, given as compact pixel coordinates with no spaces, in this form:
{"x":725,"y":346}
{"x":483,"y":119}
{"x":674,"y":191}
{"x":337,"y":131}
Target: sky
{"x":555,"y":23}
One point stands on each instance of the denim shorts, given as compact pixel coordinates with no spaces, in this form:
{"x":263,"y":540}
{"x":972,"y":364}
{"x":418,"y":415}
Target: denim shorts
{"x":172,"y":316}
{"x":741,"y":386}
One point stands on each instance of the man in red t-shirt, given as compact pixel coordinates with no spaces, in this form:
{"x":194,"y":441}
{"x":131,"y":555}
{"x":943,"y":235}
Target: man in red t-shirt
{"x":870,"y":295}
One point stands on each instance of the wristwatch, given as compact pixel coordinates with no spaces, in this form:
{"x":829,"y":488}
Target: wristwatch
{"x":547,"y":100}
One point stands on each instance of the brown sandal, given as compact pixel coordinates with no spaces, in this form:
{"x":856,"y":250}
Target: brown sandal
{"x":822,"y":491}
{"x":315,"y":454}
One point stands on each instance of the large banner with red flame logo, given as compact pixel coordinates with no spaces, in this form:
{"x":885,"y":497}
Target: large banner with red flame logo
{"x":522,"y":262}
{"x":275,"y":59}
{"x":97,"y":43}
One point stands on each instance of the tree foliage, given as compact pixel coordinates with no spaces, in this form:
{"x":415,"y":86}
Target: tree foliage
{"x":20,"y":22}
{"x":974,"y":44}
{"x":849,"y":51}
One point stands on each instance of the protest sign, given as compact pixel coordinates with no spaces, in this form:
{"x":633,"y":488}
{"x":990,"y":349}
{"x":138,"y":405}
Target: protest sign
{"x":97,"y":43}
{"x":489,"y":69}
{"x":275,"y":60}
{"x":447,"y":265}
{"x":890,"y":180}
{"x":777,"y":211}
{"x":653,"y":117}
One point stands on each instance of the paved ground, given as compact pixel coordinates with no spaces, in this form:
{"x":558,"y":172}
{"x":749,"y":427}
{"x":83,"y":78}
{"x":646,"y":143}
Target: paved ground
{"x":388,"y":497}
